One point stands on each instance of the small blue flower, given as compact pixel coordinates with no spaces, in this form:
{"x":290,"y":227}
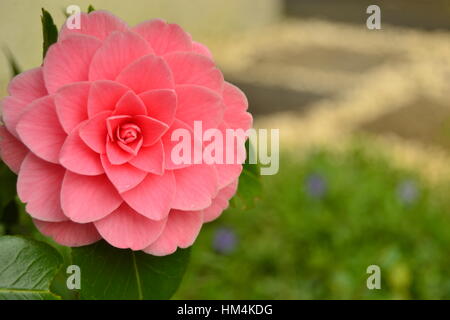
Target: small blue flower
{"x":407,"y":191}
{"x":225,"y":240}
{"x":316,"y":186}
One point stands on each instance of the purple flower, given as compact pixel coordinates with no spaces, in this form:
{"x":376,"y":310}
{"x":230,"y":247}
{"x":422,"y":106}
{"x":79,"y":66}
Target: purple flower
{"x":225,"y":240}
{"x":316,"y":185}
{"x":407,"y":191}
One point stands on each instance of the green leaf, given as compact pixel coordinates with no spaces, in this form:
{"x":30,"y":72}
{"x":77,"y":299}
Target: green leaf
{"x":13,"y":65}
{"x":250,"y":187}
{"x":90,"y":8}
{"x":27,"y":268}
{"x":111,"y":273}
{"x":49,"y":31}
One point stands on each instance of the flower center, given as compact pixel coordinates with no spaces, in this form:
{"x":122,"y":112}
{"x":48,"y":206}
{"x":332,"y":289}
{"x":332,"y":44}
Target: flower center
{"x":127,"y":133}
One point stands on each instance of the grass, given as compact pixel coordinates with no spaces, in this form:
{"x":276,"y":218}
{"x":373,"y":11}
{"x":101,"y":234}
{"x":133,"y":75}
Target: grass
{"x":295,"y":244}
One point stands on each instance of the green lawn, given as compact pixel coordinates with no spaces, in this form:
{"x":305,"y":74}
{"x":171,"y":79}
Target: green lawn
{"x":317,"y":227}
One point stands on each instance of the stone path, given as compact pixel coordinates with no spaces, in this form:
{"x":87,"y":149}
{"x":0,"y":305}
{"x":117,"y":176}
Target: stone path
{"x":324,"y":83}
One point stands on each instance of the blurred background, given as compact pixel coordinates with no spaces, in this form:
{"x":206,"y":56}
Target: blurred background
{"x":364,"y":119}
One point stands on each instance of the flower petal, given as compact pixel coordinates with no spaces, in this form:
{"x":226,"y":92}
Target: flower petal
{"x":196,"y":103}
{"x":151,"y":129}
{"x":71,"y":105}
{"x":117,"y":155}
{"x":12,"y":151}
{"x":77,"y":157}
{"x":234,"y":98}
{"x":104,"y":95}
{"x":69,"y":233}
{"x":220,"y":202}
{"x":130,"y":104}
{"x":238,"y":120}
{"x":39,"y":185}
{"x":164,"y":37}
{"x":28,"y":85}
{"x":161,"y":104}
{"x":117,"y":51}
{"x":148,"y":73}
{"x":181,"y":230}
{"x":40,"y":130}
{"x":98,"y":24}
{"x":153,"y":197}
{"x":150,"y":159}
{"x":125,"y":228}
{"x":11,"y":111}
{"x":124,"y":177}
{"x":193,"y":68}
{"x":87,"y":199}
{"x":68,"y":61}
{"x":94,"y":132}
{"x":195,"y":187}
{"x":169,"y":145}
{"x":200,"y":48}
{"x":227,"y":173}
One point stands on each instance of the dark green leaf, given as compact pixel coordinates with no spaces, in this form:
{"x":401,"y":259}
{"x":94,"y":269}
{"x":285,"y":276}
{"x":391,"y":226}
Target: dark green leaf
{"x":9,"y":216}
{"x":7,"y":186}
{"x":90,"y":8}
{"x":111,"y":273}
{"x":49,"y":31}
{"x":27,"y":268}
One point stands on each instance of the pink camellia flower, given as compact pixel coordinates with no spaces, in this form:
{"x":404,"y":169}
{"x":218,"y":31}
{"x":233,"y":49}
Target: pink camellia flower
{"x":89,"y":134}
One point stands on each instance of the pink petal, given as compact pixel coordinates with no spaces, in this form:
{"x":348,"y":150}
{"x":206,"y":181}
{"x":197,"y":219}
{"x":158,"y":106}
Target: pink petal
{"x":193,"y":68}
{"x":39,"y":185}
{"x":220,"y":202}
{"x":150,"y":159}
{"x":94,"y":132}
{"x":196,"y":186}
{"x":147,"y":73}
{"x":124,"y":177}
{"x":227,"y":173}
{"x":234,"y":98}
{"x":104,"y":95}
{"x":200,"y":48}
{"x":28,"y":86}
{"x":68,"y":61}
{"x":152,"y":198}
{"x":125,"y":228}
{"x":130,"y":104}
{"x":87,"y":199}
{"x":69,"y":233}
{"x":40,"y":131}
{"x":12,"y":151}
{"x":23,"y":88}
{"x":169,"y":145}
{"x":116,"y":155}
{"x":238,"y":120}
{"x":197,"y":103}
{"x":71,"y":104}
{"x":164,"y":37}
{"x":161,"y":104}
{"x":11,"y":111}
{"x":118,"y":50}
{"x":77,"y":157}
{"x":181,"y":230}
{"x":98,"y":24}
{"x":151,"y":129}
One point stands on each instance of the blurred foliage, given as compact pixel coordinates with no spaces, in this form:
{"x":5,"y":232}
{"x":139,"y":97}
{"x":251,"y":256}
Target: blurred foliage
{"x":294,"y":245}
